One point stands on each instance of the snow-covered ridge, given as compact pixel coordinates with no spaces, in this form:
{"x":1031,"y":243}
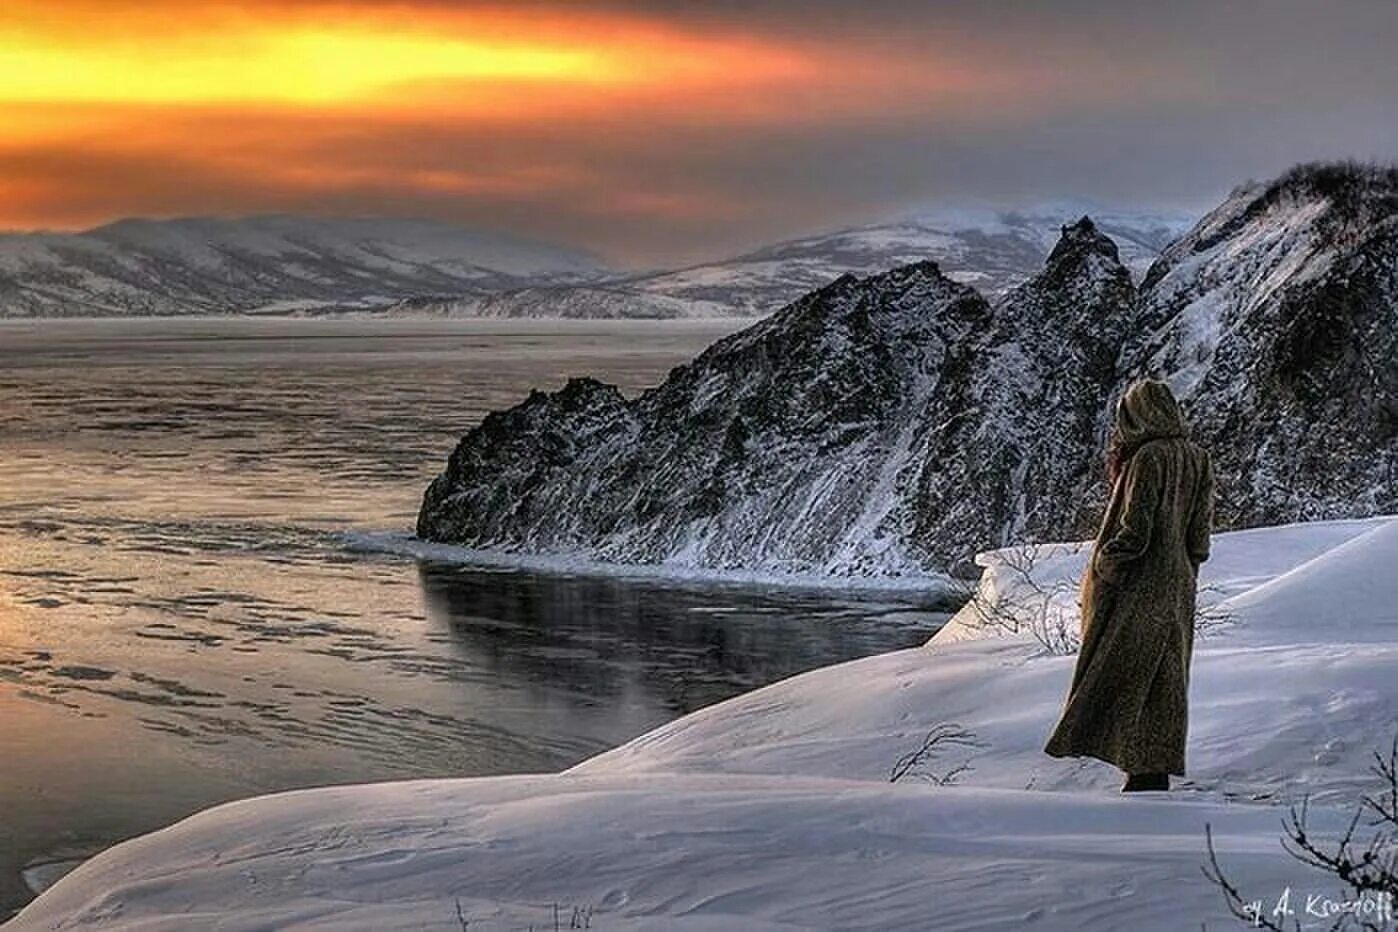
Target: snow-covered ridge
{"x":289,"y":264}
{"x":991,"y":249}
{"x":269,"y":264}
{"x":1276,"y":322}
{"x":891,"y":425}
{"x":774,"y":810}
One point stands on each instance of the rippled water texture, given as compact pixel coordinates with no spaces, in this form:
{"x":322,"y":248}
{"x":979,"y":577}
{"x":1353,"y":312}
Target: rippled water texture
{"x":182,"y":623}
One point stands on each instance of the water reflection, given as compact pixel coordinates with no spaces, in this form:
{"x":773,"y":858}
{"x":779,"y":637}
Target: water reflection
{"x":181,"y":624}
{"x":672,"y":647}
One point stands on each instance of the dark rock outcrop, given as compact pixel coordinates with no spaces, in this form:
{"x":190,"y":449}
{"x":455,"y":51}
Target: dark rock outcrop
{"x":795,"y":445}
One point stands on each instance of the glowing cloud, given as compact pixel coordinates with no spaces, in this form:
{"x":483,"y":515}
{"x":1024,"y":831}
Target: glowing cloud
{"x":646,"y":127}
{"x":313,"y":58}
{"x":297,"y":66}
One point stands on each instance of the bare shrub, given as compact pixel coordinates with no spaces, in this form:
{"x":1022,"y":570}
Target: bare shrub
{"x":944,"y":735}
{"x":1366,"y":869}
{"x":1211,"y":619}
{"x":1052,"y":612}
{"x":1037,"y":608}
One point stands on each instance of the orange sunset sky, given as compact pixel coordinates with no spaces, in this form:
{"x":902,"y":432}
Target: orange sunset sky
{"x":667,"y":130}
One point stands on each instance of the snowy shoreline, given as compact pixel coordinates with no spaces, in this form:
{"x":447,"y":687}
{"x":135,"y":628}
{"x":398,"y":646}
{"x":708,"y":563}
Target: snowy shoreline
{"x":938,"y":590}
{"x":774,"y":810}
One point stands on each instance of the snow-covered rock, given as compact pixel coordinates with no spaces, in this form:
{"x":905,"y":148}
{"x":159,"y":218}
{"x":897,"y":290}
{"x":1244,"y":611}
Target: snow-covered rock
{"x":894,"y":424}
{"x":793,"y":446}
{"x":270,"y":264}
{"x":1276,"y":322}
{"x":876,"y":427}
{"x":774,"y":810}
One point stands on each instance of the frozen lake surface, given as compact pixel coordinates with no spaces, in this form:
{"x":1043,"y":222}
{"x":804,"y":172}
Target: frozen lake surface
{"x":184,"y":619}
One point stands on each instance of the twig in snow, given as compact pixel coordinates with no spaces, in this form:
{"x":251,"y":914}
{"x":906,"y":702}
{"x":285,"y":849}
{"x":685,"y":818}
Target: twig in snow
{"x":941,"y":737}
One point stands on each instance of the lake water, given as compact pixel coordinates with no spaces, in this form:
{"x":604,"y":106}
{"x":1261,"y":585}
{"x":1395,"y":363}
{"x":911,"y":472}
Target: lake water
{"x":184,"y":619}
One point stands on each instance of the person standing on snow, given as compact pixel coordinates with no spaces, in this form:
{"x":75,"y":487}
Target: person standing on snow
{"x":1128,"y":701}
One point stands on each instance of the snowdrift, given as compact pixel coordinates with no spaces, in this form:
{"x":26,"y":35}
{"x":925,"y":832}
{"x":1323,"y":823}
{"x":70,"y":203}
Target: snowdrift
{"x":774,"y":810}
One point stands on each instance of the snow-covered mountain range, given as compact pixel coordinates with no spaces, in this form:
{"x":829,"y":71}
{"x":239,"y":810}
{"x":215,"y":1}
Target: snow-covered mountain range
{"x":885,"y":425}
{"x":265,"y":264}
{"x":283,"y":264}
{"x":992,"y":250}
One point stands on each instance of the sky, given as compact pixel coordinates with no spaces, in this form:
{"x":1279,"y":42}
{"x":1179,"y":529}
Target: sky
{"x":668,"y":131}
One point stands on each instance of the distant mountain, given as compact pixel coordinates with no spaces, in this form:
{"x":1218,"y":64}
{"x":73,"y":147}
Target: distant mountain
{"x":994,"y":251}
{"x":899,"y":423}
{"x":265,"y":264}
{"x":287,"y":264}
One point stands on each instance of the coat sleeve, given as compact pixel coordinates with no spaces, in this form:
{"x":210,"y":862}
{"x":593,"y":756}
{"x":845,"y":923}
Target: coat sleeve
{"x":1201,"y":518}
{"x":1130,"y":538}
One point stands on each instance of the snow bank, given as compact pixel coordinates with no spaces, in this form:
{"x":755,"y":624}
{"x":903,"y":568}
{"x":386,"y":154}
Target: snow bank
{"x":773,"y":810}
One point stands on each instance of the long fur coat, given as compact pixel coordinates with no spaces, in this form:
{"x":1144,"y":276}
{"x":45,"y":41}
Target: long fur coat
{"x":1128,"y":702}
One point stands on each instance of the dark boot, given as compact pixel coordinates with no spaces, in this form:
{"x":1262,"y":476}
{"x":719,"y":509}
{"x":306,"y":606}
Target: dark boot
{"x":1138,"y":782}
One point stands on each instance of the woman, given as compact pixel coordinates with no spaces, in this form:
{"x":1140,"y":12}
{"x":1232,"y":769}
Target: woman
{"x":1128,"y":701}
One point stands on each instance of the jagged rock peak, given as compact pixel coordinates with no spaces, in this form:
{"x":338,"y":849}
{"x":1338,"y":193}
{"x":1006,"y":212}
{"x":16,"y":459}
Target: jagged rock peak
{"x":1080,"y":239}
{"x":925,"y":268}
{"x":896,"y":298}
{"x":1083,"y":274}
{"x":915,"y":275}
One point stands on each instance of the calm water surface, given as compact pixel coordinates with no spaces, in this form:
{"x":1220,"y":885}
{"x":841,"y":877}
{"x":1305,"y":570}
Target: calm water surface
{"x":182,"y":620}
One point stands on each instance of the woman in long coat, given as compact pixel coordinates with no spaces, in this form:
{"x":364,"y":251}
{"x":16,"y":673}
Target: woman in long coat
{"x":1128,"y":703}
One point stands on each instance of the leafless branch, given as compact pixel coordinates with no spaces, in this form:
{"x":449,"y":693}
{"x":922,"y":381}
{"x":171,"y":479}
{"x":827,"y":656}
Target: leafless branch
{"x":1213,"y":618}
{"x":1042,"y":610}
{"x":944,"y":735}
{"x":1367,"y":868}
{"x":1250,"y":911}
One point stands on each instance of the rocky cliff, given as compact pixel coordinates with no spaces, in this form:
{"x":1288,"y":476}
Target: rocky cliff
{"x":1276,"y":322}
{"x":896,"y":423}
{"x":795,"y":445}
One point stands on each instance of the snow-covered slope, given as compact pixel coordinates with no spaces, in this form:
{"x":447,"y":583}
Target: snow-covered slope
{"x":269,"y":263}
{"x":774,"y":810}
{"x":992,"y":250}
{"x":1276,"y":321}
